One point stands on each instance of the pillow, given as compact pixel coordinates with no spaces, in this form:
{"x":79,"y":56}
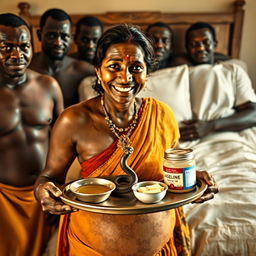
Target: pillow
{"x":216,"y":89}
{"x":171,"y":85}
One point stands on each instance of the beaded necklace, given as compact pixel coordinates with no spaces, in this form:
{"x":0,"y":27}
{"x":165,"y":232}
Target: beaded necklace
{"x":123,"y":138}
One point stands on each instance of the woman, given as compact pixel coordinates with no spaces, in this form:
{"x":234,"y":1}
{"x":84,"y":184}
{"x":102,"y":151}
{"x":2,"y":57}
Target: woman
{"x":95,"y":131}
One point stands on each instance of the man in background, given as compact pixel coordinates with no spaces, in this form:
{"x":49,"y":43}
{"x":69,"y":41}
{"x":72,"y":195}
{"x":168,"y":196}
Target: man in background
{"x":162,"y":38}
{"x":200,"y":54}
{"x":213,"y":81}
{"x":55,"y":36}
{"x":88,"y":31}
{"x":29,"y":104}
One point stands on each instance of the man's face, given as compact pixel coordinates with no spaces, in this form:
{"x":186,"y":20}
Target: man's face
{"x":201,"y":46}
{"x":162,"y":42}
{"x":15,"y":50}
{"x":56,"y":38}
{"x":86,"y":41}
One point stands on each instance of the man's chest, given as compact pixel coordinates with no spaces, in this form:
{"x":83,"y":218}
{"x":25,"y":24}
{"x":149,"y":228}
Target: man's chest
{"x":19,"y":109}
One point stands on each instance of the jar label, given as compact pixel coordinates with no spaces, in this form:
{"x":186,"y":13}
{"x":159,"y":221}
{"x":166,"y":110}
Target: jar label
{"x":180,"y":178}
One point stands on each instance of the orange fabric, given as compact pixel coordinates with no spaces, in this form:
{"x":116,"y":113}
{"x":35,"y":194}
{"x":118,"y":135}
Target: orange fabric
{"x":23,"y":230}
{"x":89,"y":166}
{"x":156,"y":131}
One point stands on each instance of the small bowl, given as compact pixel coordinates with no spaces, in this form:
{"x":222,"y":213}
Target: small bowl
{"x":149,"y":198}
{"x":95,"y":195}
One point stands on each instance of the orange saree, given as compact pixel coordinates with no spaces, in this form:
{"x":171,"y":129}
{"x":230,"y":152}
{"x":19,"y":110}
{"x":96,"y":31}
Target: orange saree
{"x":22,"y":222}
{"x":86,"y":233}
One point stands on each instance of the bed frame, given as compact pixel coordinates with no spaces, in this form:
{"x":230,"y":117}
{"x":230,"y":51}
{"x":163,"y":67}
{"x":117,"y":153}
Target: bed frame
{"x":228,"y":25}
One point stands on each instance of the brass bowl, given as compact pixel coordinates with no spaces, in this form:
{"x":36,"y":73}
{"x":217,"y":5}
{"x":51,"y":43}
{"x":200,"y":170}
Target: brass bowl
{"x":92,"y":197}
{"x":149,"y":198}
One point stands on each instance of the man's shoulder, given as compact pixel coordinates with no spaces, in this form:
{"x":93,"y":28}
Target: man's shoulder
{"x":36,"y":63}
{"x":81,"y":65}
{"x":44,"y":81}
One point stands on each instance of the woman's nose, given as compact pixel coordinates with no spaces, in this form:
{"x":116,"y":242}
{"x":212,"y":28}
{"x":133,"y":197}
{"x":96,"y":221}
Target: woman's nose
{"x":125,"y":76}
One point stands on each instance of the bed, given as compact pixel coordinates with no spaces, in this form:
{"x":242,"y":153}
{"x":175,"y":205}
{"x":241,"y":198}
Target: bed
{"x":225,"y":225}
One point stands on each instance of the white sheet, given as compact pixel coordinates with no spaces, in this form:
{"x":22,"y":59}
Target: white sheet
{"x":225,"y":225}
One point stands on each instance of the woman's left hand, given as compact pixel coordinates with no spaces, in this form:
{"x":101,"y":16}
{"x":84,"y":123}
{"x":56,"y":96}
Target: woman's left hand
{"x":212,"y":186}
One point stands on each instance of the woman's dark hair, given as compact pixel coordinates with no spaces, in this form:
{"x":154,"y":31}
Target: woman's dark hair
{"x":122,"y":34}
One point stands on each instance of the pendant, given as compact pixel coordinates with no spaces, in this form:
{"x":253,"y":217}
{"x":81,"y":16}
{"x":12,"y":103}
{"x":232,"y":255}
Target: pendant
{"x":124,"y":141}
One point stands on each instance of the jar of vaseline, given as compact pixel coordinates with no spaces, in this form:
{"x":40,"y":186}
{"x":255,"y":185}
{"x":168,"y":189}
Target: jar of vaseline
{"x":179,"y":170}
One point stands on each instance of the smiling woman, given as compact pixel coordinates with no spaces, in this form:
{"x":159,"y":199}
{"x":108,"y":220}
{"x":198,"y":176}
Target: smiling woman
{"x":97,"y":131}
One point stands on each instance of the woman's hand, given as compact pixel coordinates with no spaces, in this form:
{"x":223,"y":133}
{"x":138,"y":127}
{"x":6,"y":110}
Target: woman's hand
{"x":48,"y":194}
{"x":212,"y":186}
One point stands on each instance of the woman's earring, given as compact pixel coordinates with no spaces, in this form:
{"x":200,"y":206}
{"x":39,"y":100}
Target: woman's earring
{"x":145,"y":85}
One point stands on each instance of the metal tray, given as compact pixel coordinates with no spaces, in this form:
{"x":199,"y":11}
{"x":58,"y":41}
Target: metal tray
{"x":128,"y":203}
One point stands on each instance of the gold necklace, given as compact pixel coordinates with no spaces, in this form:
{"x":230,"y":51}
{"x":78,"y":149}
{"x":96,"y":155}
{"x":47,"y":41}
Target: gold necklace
{"x":123,"y":139}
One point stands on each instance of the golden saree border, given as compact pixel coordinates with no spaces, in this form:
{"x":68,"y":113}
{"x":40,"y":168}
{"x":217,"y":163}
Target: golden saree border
{"x":22,"y":222}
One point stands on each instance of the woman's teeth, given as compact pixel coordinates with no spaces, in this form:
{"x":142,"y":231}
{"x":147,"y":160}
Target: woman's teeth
{"x":123,"y":89}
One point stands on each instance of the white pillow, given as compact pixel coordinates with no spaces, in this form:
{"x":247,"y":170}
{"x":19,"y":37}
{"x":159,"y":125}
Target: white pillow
{"x":171,"y":85}
{"x":216,"y":89}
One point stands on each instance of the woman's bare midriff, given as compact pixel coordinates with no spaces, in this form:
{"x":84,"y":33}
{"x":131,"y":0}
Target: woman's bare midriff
{"x":123,"y":235}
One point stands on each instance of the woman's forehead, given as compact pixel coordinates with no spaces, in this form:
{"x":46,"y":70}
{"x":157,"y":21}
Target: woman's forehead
{"x":125,"y":51}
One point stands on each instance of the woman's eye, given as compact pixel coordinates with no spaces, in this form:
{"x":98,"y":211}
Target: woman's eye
{"x":136,"y":68}
{"x":114,"y":66}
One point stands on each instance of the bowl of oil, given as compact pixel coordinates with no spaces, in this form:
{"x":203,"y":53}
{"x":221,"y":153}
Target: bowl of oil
{"x":92,"y":190}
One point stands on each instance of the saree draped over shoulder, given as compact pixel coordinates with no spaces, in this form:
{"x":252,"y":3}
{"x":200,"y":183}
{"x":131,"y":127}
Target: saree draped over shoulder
{"x":22,"y":222}
{"x":162,"y":233}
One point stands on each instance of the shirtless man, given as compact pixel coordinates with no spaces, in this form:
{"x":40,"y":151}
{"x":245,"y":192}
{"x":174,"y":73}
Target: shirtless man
{"x":208,"y":47}
{"x":162,"y":36}
{"x":232,"y":89}
{"x":55,"y":36}
{"x":88,"y":31}
{"x":29,"y":105}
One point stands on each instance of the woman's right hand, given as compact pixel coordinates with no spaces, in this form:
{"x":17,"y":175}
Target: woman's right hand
{"x":48,"y":194}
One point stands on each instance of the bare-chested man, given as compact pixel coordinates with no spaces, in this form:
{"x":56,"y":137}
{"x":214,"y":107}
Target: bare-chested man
{"x":55,"y":36}
{"x":88,"y":31}
{"x":162,"y":36}
{"x":29,"y":104}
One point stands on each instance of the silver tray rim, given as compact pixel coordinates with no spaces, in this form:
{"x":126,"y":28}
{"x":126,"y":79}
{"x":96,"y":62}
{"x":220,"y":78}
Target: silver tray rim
{"x":170,"y":201}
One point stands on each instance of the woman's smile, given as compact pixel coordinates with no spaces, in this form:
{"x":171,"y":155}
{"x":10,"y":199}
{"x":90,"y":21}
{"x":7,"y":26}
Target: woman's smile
{"x":123,"y":89}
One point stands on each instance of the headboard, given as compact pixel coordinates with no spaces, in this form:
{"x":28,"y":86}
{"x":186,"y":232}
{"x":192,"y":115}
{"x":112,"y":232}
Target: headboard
{"x":228,"y":25}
